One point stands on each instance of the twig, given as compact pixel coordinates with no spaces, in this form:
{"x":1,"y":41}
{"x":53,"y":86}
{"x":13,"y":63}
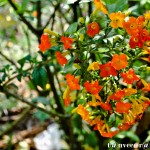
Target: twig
{"x":12,"y":126}
{"x":9,"y":60}
{"x":28,"y":40}
{"x":57,"y":98}
{"x":15,"y":76}
{"x":34,"y":105}
{"x":21,"y":135}
{"x":37,"y":32}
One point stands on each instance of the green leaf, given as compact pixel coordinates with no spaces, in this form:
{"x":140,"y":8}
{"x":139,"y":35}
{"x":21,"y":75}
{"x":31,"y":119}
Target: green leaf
{"x":71,"y":1}
{"x":24,"y":5}
{"x":69,"y":65}
{"x":72,"y":28}
{"x":116,"y":5}
{"x":4,"y":77}
{"x":24,"y":59}
{"x":112,"y":118}
{"x":41,"y":115}
{"x":55,"y":48}
{"x":132,"y":136}
{"x":91,"y":139}
{"x":40,"y":77}
{"x":40,"y":99}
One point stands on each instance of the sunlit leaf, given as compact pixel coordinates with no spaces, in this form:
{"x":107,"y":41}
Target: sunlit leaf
{"x":72,"y":28}
{"x":116,"y":5}
{"x":24,"y":5}
{"x":71,"y":1}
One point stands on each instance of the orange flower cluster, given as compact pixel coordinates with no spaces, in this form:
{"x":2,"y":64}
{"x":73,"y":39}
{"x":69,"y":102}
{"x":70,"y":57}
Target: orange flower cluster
{"x":139,"y":34}
{"x":118,"y":62}
{"x":45,"y":43}
{"x":108,"y":86}
{"x":72,"y":82}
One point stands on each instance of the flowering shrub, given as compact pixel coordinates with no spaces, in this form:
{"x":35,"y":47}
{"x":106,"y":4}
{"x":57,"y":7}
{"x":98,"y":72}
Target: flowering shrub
{"x":99,"y":62}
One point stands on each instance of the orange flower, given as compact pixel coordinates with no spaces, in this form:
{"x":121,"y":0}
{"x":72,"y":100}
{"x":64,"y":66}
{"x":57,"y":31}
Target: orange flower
{"x":144,"y":35}
{"x":129,"y":77}
{"x":146,"y":87}
{"x":109,"y":134}
{"x":100,"y":6}
{"x":61,"y":59}
{"x":146,"y":58}
{"x":107,"y":69}
{"x":131,"y":26}
{"x":83,"y":112}
{"x":72,"y":82}
{"x":96,"y":121}
{"x":139,"y":39}
{"x":93,"y":88}
{"x":117,"y":19}
{"x":106,"y":106}
{"x":67,"y":42}
{"x":124,"y":126}
{"x":45,"y":43}
{"x":106,"y":132}
{"x":119,"y":61}
{"x":140,"y":22}
{"x":94,"y":104}
{"x":93,"y":29}
{"x":122,"y":107}
{"x":118,"y":95}
{"x":130,"y":91}
{"x":135,"y":41}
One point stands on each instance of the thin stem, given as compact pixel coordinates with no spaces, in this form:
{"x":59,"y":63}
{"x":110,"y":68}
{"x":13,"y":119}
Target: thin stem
{"x":37,"y":32}
{"x":9,"y":60}
{"x":15,"y":123}
{"x":51,"y":81}
{"x":33,"y":105}
{"x":30,"y":68}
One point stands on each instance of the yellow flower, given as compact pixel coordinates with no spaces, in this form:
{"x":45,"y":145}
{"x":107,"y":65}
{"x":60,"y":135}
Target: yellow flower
{"x":129,"y":118}
{"x":147,"y":15}
{"x":117,"y":19}
{"x":48,"y":86}
{"x":93,"y":66}
{"x":81,"y":37}
{"x":81,"y":20}
{"x":137,"y":107}
{"x":100,"y":6}
{"x":66,"y":96}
